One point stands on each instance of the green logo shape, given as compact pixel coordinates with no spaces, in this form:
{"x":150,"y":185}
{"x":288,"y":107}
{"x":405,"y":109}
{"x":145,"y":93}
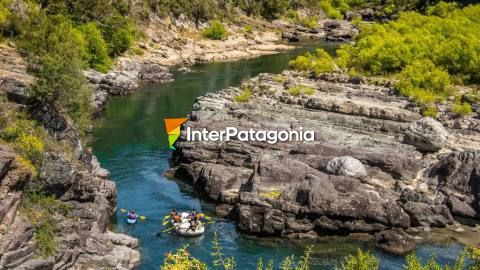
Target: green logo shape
{"x":172,"y":125}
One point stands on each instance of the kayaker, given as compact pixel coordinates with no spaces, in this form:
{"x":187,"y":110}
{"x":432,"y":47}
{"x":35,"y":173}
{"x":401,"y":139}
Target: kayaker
{"x":174,"y":213}
{"x":131,"y":215}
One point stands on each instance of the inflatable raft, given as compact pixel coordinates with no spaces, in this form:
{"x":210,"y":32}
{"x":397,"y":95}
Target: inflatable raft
{"x":185,"y":228}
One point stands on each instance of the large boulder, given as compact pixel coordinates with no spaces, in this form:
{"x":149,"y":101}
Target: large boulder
{"x":457,"y":175}
{"x":153,"y":73}
{"x":347,"y":166}
{"x":422,"y":214}
{"x":426,"y":134}
{"x":395,"y":241}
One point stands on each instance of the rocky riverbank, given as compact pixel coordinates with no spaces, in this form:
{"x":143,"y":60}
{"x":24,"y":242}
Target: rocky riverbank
{"x":177,"y":42}
{"x":73,"y":175}
{"x":376,"y":166}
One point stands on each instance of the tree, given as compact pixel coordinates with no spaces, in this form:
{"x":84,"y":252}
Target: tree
{"x":54,"y":51}
{"x":96,"y":55}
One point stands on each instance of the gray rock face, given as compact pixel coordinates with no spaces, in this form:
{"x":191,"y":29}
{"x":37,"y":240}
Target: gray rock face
{"x":457,"y":175}
{"x":347,"y":166}
{"x":395,"y":241}
{"x":124,"y":80}
{"x":153,"y":73}
{"x":422,"y":214}
{"x":426,"y":134}
{"x":6,"y":157}
{"x":82,"y":237}
{"x":282,"y":189}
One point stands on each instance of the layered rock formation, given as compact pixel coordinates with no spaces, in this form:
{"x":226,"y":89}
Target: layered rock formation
{"x":376,"y":166}
{"x":72,"y":175}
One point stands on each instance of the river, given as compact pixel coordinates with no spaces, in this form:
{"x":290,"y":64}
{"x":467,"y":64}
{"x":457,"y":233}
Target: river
{"x":129,"y":140}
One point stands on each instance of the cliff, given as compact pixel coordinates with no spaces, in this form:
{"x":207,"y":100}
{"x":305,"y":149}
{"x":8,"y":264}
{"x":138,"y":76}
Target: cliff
{"x":84,"y":197}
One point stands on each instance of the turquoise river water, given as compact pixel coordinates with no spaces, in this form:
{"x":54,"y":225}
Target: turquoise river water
{"x":129,"y":140}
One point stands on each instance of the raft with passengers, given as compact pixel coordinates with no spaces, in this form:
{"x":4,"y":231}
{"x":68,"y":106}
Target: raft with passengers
{"x":188,"y":224}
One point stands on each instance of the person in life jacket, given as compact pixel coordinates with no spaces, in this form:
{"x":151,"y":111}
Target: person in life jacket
{"x":193,"y":219}
{"x":131,"y":215}
{"x":174,"y":213}
{"x":176,"y":218}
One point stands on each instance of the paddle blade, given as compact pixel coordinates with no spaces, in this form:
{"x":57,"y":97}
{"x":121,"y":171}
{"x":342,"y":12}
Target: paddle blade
{"x":123,"y":210}
{"x":167,"y":216}
{"x":166,"y":230}
{"x":165,"y":223}
{"x":205,"y":217}
{"x":143,"y":217}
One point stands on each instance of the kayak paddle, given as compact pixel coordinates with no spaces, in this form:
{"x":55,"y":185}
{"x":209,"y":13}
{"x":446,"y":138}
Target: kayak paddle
{"x":168,"y":229}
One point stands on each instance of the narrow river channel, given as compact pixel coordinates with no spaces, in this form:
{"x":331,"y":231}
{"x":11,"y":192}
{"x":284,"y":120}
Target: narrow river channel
{"x":129,"y":140}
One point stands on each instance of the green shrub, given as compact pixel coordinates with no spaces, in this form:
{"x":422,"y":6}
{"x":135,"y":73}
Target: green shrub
{"x":244,"y":96}
{"x":301,"y":90}
{"x":318,"y":62}
{"x":30,"y":147}
{"x":4,"y":14}
{"x":40,"y":210}
{"x":462,"y":109}
{"x":45,"y":240}
{"x":450,"y":43}
{"x":248,"y":29}
{"x":181,"y":259}
{"x":441,"y":9}
{"x":474,"y":256}
{"x":329,"y":10}
{"x":26,"y":138}
{"x":430,"y":111}
{"x":310,"y":22}
{"x":292,"y":15}
{"x":96,"y":55}
{"x":119,"y":33}
{"x":360,"y":261}
{"x":424,"y":82}
{"x":413,"y":263}
{"x":215,"y":31}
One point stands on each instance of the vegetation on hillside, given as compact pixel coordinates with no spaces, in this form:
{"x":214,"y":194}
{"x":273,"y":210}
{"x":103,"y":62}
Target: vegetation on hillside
{"x":41,"y":211}
{"x":427,"y":54}
{"x":181,"y":259}
{"x":61,"y":38}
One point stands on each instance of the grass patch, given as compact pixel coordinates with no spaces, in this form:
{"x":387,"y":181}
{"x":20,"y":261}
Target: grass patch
{"x":138,"y":51}
{"x":244,"y":96}
{"x":461,"y":109}
{"x":273,"y":194}
{"x":301,"y":90}
{"x":310,"y":22}
{"x":279,"y":79}
{"x":430,"y":111}
{"x":248,"y":29}
{"x":41,"y":210}
{"x":24,"y":135}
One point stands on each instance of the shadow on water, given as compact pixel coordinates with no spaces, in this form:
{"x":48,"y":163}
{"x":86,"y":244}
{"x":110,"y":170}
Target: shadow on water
{"x":130,"y":141}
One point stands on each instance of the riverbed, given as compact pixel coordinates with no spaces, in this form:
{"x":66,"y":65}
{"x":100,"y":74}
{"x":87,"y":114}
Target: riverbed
{"x":129,"y":140}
